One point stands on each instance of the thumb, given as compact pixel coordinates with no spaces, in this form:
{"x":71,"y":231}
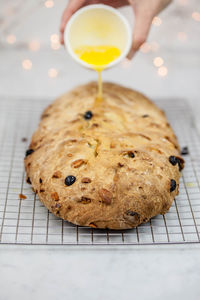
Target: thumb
{"x":140,"y":31}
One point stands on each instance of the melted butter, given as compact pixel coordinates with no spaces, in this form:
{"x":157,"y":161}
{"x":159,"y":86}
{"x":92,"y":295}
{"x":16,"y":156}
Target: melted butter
{"x":99,"y":57}
{"x":100,"y":87}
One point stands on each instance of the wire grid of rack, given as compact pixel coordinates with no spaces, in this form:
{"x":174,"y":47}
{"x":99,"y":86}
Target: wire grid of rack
{"x":27,"y":221}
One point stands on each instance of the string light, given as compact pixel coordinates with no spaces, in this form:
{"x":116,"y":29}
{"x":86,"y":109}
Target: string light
{"x":34,"y":45}
{"x":182,"y":36}
{"x":158,"y":61}
{"x":162,"y":71}
{"x":157,"y":21}
{"x":49,"y":3}
{"x":196,"y":16}
{"x":11,"y":39}
{"x":27,"y":64}
{"x":145,"y":48}
{"x":52,"y":73}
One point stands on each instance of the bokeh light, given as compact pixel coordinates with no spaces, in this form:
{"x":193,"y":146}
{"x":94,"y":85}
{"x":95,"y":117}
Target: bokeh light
{"x":157,"y":21}
{"x":49,"y":3}
{"x":126,"y":63}
{"x":162,"y":71}
{"x":145,"y":47}
{"x":27,"y":64}
{"x":11,"y":39}
{"x":8,"y":11}
{"x":55,"y":46}
{"x":158,"y":61}
{"x":52,"y":73}
{"x":55,"y":41}
{"x":182,"y":36}
{"x":196,"y":16}
{"x":154,"y":46}
{"x":54,"y":38}
{"x":183,"y":2}
{"x":34,"y":45}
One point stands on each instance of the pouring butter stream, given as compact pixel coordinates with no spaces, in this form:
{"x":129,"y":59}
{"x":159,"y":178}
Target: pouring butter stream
{"x":98,"y":57}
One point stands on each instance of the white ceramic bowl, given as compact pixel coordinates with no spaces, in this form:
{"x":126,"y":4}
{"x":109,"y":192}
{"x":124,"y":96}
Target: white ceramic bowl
{"x":98,"y":24}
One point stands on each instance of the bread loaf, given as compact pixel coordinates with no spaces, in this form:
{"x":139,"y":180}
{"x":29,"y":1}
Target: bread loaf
{"x":111,"y":164}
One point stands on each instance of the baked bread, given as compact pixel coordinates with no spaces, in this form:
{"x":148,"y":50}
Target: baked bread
{"x":111,"y":164}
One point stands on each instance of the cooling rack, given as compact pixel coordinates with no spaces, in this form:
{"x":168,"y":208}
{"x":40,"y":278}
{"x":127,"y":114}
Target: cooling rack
{"x":27,"y":221}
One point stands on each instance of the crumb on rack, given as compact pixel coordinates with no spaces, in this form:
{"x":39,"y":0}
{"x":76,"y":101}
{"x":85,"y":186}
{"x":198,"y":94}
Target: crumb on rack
{"x":21,"y":196}
{"x":24,"y":139}
{"x":184,"y":150}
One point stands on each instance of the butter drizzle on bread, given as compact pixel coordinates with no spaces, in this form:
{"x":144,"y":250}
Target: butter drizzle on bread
{"x":112,"y":165}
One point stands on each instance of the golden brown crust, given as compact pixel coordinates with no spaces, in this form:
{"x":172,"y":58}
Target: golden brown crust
{"x":119,"y":157}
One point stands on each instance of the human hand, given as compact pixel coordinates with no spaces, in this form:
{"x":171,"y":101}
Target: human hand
{"x":144,"y":10}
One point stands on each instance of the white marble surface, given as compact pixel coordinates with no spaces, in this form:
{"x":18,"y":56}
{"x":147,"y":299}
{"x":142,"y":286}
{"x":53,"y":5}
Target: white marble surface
{"x":98,"y":273}
{"x":146,"y":273}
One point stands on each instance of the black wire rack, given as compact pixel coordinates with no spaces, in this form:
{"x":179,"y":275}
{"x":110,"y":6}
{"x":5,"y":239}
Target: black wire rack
{"x":27,"y":221}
